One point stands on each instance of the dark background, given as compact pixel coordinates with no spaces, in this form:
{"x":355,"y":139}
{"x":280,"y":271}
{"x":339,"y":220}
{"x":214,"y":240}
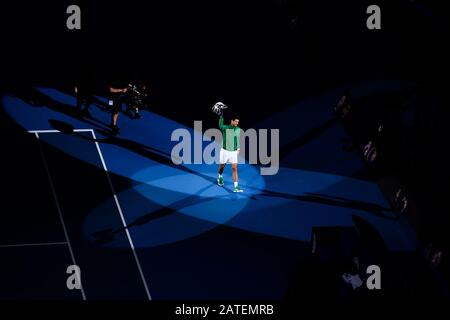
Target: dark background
{"x":250,"y":53}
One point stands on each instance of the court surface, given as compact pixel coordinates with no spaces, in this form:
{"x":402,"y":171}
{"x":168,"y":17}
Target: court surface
{"x":141,"y":227}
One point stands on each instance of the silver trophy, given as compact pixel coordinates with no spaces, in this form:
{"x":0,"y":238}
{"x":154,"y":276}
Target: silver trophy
{"x":219,"y":107}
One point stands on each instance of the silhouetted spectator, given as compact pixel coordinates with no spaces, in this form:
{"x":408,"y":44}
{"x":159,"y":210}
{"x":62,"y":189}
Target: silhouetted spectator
{"x":84,"y":90}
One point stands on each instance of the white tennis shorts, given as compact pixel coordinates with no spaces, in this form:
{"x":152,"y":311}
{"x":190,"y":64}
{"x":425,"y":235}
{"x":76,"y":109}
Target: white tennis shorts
{"x":228,"y":156}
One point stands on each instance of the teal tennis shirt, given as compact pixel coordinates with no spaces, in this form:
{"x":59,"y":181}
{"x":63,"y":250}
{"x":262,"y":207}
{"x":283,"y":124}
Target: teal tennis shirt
{"x":230,"y":136}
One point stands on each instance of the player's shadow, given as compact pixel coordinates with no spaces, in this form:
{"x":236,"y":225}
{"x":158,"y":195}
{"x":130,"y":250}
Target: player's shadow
{"x":165,"y":159}
{"x":371,"y":208}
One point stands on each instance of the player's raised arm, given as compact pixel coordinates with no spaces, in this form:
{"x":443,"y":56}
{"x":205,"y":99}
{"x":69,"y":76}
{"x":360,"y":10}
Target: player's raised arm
{"x":221,"y":125}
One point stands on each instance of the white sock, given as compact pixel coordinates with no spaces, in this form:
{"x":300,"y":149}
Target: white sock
{"x":220,"y":176}
{"x":235,"y":184}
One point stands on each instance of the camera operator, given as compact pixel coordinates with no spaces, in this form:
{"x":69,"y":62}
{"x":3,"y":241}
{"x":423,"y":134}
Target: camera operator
{"x":136,"y":99}
{"x":116,"y":91}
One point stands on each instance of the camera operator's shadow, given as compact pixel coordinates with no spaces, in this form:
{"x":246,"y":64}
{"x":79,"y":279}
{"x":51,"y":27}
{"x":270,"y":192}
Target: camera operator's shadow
{"x":35,"y":98}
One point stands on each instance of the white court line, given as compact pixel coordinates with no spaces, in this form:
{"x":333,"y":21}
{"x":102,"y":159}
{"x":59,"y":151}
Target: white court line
{"x":57,"y":131}
{"x":122,"y":217}
{"x":59,"y":208}
{"x":32,"y":244}
{"x":116,"y":200}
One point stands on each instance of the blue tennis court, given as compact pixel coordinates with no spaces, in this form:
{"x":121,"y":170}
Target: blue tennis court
{"x":141,"y":227}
